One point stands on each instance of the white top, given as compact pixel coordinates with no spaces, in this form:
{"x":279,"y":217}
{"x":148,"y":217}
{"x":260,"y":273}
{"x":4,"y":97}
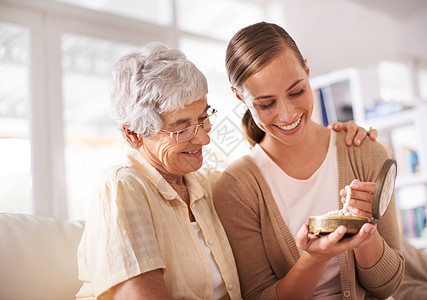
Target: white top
{"x":218,"y":284}
{"x":298,"y":200}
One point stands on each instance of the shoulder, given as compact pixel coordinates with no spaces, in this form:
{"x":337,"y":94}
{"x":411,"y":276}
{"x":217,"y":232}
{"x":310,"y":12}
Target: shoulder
{"x":206,"y":179}
{"x":122,"y":186}
{"x":367,"y":147}
{"x":241,"y":166}
{"x":123,"y":174}
{"x":241,"y":177}
{"x":364,"y":160}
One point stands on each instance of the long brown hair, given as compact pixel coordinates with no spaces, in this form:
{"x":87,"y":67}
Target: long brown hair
{"x":250,"y":49}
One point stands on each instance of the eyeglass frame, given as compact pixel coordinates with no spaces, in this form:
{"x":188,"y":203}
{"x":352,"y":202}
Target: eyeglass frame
{"x":173,"y":134}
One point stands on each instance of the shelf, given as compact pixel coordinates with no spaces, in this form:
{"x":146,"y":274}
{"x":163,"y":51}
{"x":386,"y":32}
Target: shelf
{"x":419,"y":243}
{"x":394,"y":120}
{"x":410,"y":179}
{"x":401,"y":129}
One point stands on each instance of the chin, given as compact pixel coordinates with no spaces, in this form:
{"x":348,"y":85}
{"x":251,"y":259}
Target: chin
{"x":193,"y":166}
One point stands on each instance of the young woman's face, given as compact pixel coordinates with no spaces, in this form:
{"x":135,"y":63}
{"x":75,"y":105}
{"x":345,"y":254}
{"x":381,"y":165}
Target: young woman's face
{"x":280,"y":99}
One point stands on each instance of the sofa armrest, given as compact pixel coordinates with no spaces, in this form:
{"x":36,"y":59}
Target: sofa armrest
{"x":38,"y":257}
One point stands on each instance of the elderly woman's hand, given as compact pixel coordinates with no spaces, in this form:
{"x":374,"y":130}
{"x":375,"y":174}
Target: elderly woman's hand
{"x":355,"y":133}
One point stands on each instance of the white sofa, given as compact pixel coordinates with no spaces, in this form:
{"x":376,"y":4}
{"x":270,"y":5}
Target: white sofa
{"x":38,"y":258}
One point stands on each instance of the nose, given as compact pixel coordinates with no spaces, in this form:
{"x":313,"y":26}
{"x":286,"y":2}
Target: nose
{"x":201,"y":137}
{"x":287,"y":112}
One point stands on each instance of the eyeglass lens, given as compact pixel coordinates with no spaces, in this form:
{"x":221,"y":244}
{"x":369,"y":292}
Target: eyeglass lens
{"x":189,"y":132}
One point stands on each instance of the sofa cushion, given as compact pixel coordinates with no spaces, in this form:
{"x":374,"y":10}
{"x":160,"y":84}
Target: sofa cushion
{"x":38,"y":257}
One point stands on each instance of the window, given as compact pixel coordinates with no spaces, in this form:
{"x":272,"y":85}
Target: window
{"x":92,"y":138}
{"x":15,"y":152}
{"x":56,"y":56}
{"x":158,"y":11}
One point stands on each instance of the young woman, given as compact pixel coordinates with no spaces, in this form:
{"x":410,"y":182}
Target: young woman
{"x":297,"y":169}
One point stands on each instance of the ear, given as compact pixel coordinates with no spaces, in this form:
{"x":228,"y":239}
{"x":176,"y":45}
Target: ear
{"x":307,"y":69}
{"x":236,"y":93}
{"x":133,"y":137}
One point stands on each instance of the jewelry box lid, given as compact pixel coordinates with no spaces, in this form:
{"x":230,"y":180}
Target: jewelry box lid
{"x":384,"y":188}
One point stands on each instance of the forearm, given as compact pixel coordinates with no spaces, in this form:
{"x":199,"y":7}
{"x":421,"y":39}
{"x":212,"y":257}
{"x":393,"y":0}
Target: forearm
{"x":301,"y":280}
{"x":368,"y":255}
{"x":385,"y":275}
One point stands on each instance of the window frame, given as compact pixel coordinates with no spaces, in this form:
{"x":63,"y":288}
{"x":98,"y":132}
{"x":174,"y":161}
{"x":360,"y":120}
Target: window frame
{"x":47,"y":20}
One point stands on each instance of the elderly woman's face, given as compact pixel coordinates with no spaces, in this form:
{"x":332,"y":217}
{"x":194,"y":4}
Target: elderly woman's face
{"x":173,"y":158}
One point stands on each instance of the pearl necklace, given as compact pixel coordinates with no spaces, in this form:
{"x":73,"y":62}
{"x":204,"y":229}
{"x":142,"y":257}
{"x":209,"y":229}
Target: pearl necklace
{"x":344,"y":211}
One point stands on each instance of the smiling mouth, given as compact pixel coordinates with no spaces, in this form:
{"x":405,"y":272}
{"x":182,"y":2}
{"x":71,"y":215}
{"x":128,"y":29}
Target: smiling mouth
{"x":193,"y":152}
{"x":291,"y":126}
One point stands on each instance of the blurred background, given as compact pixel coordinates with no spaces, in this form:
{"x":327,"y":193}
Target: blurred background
{"x":368,"y":62}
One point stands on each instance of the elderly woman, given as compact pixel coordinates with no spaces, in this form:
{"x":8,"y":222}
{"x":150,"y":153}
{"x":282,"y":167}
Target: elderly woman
{"x":153,"y":232}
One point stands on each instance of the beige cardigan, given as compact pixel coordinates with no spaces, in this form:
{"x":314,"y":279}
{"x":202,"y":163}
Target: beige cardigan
{"x":263,"y":246}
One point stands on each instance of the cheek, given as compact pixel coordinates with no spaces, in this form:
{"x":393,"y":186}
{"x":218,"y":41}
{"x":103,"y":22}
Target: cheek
{"x":309,"y":101}
{"x":262,"y":117}
{"x":168,"y":152}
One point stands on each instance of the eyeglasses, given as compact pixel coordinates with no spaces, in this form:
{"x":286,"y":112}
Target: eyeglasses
{"x":189,"y":132}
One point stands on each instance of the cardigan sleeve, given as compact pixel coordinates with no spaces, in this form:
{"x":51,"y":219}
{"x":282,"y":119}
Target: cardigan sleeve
{"x":385,"y":276}
{"x":236,"y":202}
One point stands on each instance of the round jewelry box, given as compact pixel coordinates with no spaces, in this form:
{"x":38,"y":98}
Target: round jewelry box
{"x":321,"y":225}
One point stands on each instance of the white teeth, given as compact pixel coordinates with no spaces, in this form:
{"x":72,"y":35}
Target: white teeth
{"x":194,"y":152}
{"x":291,"y":126}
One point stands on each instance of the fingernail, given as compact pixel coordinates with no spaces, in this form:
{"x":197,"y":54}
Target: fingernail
{"x":341,"y":230}
{"x":367,"y":229}
{"x":357,"y":141}
{"x":355,"y":185}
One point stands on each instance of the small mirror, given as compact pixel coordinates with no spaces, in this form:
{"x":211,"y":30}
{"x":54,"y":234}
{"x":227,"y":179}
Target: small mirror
{"x":384,"y":189}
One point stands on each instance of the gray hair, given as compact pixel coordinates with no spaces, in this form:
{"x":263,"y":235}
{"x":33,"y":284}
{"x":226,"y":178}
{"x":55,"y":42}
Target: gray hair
{"x":150,"y":82}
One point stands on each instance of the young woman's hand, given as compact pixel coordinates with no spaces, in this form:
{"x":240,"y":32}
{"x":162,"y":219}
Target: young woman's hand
{"x":323,"y":248}
{"x":362,"y":194}
{"x":355,"y":133}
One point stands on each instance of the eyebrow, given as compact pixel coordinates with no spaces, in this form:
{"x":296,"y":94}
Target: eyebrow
{"x":290,"y":87}
{"x":182,"y":121}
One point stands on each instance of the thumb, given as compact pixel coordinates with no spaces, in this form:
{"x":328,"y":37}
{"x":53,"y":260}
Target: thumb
{"x":302,"y":239}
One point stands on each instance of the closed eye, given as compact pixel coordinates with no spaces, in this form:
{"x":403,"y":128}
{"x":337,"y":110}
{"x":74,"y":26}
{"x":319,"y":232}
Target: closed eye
{"x":298,"y":93}
{"x":266,"y":106}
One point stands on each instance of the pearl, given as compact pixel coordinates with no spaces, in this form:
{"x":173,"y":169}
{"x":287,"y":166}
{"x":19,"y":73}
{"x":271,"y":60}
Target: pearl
{"x":344,"y":211}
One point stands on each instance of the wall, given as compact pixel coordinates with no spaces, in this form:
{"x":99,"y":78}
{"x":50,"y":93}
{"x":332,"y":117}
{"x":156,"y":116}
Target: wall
{"x":336,"y":34}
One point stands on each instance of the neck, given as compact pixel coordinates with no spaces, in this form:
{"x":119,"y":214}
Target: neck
{"x":176,"y":181}
{"x":299,"y":160}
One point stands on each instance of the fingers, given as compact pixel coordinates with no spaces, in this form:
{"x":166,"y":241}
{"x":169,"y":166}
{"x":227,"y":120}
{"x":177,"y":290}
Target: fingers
{"x":357,"y":185}
{"x":357,"y":211}
{"x":355,"y":134}
{"x":302,"y":239}
{"x":361,"y":198}
{"x":337,"y":126}
{"x":364,"y":236}
{"x":349,"y":126}
{"x":337,"y":235}
{"x":351,"y":135}
{"x":373,"y":134}
{"x":360,"y":190}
